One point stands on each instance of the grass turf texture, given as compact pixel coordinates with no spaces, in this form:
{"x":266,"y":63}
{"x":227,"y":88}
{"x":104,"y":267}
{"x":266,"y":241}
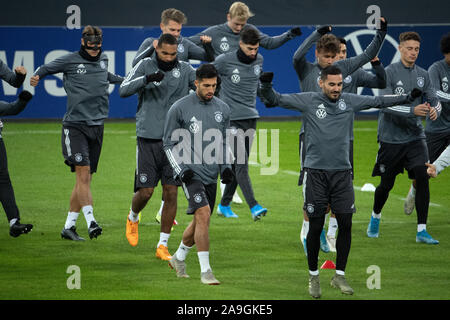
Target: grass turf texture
{"x":253,"y":260}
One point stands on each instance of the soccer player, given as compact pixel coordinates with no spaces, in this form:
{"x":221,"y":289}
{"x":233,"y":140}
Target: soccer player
{"x":328,"y":118}
{"x":195,"y":115}
{"x":327,"y":49}
{"x":402,"y":138}
{"x":360,"y":78}
{"x":437,"y":132}
{"x":172,"y":21}
{"x":239,"y":71}
{"x":86,"y":81}
{"x":159,"y":81}
{"x":7,"y":197}
{"x":225,"y":37}
{"x":439,"y":164}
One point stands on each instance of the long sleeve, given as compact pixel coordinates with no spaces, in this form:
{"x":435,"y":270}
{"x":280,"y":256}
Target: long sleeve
{"x":171,"y":126}
{"x":350,"y":65}
{"x":433,"y":72}
{"x":299,"y":60}
{"x":13,"y":78}
{"x":443,"y":161}
{"x":134,"y":81}
{"x":12,"y":108}
{"x":372,"y":80}
{"x":115,"y":79}
{"x":145,"y":51}
{"x":227,"y":153}
{"x":269,"y":42}
{"x":55,"y":66}
{"x":361,"y":102}
{"x":203,"y":51}
{"x":293,"y":101}
{"x":430,"y":94}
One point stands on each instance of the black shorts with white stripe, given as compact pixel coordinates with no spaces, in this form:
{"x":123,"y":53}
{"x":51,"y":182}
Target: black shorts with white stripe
{"x":199,"y":195}
{"x":81,"y":145}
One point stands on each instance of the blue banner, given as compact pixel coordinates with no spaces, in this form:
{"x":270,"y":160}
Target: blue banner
{"x":34,"y":46}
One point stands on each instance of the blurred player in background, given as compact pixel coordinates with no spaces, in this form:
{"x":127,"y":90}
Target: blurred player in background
{"x":402,"y":138}
{"x":437,"y":132}
{"x":7,"y":197}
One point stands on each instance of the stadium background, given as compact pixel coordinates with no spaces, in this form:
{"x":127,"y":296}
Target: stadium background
{"x":33,"y":33}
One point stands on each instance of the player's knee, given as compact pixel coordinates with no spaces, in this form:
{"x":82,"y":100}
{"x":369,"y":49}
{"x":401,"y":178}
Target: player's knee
{"x":170,"y":194}
{"x":386,"y":183}
{"x":145,"y":193}
{"x":420,"y":174}
{"x":344,"y":221}
{"x":202,"y":216}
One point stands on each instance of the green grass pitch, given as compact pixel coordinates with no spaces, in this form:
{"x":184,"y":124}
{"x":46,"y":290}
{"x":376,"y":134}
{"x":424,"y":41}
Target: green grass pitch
{"x":253,"y":260}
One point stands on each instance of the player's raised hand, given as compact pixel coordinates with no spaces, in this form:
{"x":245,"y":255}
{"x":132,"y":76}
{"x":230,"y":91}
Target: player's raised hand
{"x":21,"y":70}
{"x":324,"y":29}
{"x":383,"y":24}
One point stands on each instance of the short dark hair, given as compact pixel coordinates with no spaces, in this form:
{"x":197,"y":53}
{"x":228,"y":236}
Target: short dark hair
{"x":342,"y":40}
{"x":333,"y":70}
{"x":445,"y":44}
{"x":328,"y":43}
{"x":167,"y":38}
{"x":409,"y":35}
{"x":249,"y":35}
{"x":206,"y":71}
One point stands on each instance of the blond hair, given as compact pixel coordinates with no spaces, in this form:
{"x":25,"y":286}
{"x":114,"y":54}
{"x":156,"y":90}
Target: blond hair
{"x":240,"y":11}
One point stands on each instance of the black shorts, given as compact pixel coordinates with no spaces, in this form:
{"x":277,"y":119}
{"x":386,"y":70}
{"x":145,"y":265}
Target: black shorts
{"x":152,"y":165}
{"x":436,"y":143}
{"x":302,"y":154}
{"x":199,"y":195}
{"x":323,"y":187}
{"x":392,"y":158}
{"x":81,"y":145}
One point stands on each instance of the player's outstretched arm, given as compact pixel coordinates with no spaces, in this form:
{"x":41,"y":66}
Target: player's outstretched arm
{"x":440,"y":164}
{"x":16,"y":107}
{"x":14,"y":78}
{"x":350,"y":65}
{"x":271,"y":98}
{"x":299,"y":60}
{"x":269,"y":42}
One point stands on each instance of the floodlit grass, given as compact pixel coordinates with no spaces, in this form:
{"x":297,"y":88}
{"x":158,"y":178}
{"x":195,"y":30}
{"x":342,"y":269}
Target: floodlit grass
{"x":253,"y":260}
